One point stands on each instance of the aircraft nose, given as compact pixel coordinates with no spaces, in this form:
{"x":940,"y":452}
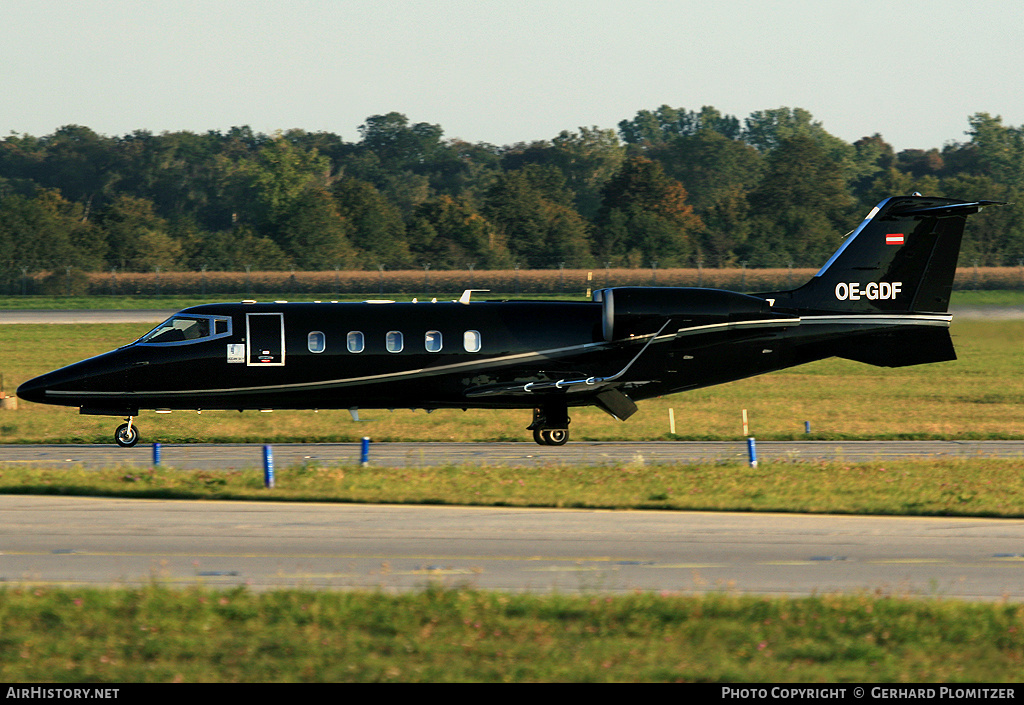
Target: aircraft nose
{"x":34,"y":390}
{"x":78,"y":383}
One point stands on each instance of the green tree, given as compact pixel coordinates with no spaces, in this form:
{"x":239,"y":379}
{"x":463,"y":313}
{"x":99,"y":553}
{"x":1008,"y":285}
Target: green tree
{"x":531,"y":209}
{"x":586,"y":158}
{"x":661,"y":126}
{"x":645,"y":217}
{"x":874,"y":156}
{"x":186,"y":175}
{"x":398,"y":144}
{"x":998,"y":150}
{"x":47,"y":231}
{"x":710,"y":166}
{"x":79,"y":163}
{"x":137,"y":238}
{"x":20,"y":160}
{"x":464,"y":170}
{"x":273,"y":180}
{"x":767,"y":130}
{"x":376,"y":227}
{"x":893,"y":182}
{"x":239,"y":249}
{"x":802,"y":206}
{"x":726,"y":229}
{"x":994,"y":237}
{"x":315,"y":234}
{"x":448,"y":233}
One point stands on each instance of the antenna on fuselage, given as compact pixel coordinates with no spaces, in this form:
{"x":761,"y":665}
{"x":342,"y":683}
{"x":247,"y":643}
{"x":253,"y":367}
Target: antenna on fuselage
{"x":464,"y":299}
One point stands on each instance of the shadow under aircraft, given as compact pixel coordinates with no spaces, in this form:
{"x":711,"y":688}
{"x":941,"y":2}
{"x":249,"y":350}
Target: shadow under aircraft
{"x":881,"y":299}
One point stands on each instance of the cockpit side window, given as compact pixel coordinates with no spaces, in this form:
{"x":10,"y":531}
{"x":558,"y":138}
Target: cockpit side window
{"x":187,"y":329}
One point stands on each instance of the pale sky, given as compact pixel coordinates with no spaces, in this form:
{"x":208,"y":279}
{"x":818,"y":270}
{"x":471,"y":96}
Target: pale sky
{"x":505,"y":71}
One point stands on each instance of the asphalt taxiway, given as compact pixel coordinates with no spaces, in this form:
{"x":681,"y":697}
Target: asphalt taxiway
{"x":100,"y":541}
{"x":63,"y":317}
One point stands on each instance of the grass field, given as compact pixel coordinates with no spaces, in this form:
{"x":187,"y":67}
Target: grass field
{"x":975,"y":487}
{"x":159,"y":635}
{"x":978,"y":396}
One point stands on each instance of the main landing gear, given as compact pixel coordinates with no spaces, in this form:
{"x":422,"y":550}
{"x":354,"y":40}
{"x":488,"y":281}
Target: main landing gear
{"x":550,"y":425}
{"x":126,"y":434}
{"x":551,"y":436}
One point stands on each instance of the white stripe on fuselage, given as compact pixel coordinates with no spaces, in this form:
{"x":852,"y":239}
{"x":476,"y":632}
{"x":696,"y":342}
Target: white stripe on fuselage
{"x":903,"y":319}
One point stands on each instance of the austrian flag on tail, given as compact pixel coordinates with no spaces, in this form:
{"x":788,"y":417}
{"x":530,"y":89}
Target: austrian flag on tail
{"x":894,"y":239}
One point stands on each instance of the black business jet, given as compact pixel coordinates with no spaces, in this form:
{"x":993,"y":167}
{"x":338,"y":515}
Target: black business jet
{"x":882,"y":299}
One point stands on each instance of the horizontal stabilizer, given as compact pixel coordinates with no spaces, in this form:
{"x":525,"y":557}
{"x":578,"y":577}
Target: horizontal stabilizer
{"x":898,"y":348}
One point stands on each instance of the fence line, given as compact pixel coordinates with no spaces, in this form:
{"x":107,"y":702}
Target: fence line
{"x":435,"y":282}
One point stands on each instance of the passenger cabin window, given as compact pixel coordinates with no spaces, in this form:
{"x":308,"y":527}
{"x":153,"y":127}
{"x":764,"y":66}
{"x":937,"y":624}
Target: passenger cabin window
{"x":471,"y":340}
{"x":355,"y":341}
{"x":187,"y":329}
{"x":394,"y":341}
{"x":316,"y":341}
{"x":433,"y":341}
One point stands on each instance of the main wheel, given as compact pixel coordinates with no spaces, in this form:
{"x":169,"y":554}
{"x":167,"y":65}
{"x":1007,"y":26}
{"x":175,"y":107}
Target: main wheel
{"x":551,"y":436}
{"x":556,"y":436}
{"x":126,"y":436}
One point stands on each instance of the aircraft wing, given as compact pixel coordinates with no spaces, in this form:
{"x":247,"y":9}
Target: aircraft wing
{"x":587,"y":383}
{"x":595,"y":383}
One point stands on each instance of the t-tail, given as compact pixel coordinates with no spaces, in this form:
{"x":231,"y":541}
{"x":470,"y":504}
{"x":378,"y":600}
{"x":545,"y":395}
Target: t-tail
{"x":900,"y":259}
{"x":888,"y":285}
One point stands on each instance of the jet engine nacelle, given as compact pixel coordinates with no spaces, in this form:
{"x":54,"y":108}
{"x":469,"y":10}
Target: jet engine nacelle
{"x":641,"y":310}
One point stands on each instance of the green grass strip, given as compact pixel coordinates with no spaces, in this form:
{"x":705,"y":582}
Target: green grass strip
{"x":979,"y":487}
{"x":156,"y":634}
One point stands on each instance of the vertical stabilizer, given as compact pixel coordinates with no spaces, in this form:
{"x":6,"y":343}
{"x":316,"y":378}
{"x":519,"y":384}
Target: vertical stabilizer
{"x":900,"y":259}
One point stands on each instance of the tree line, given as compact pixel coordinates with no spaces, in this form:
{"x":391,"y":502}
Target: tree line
{"x":670,"y":187}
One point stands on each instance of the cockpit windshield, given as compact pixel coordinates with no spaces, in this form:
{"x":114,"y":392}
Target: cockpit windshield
{"x":187,"y":329}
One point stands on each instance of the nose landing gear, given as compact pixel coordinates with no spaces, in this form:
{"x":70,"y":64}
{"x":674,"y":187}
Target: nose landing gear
{"x":126,"y":434}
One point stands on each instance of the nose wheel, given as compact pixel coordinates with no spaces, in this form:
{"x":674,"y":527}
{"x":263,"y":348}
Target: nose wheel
{"x":126,"y":434}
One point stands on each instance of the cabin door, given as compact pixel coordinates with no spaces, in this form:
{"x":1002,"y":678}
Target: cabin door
{"x":264,"y":339}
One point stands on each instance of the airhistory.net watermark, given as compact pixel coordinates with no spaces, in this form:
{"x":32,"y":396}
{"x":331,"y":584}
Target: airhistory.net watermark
{"x":62,"y":693}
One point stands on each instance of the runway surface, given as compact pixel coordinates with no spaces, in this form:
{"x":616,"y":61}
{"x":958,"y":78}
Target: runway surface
{"x":87,"y":316}
{"x":69,"y":541}
{"x":223,"y":456}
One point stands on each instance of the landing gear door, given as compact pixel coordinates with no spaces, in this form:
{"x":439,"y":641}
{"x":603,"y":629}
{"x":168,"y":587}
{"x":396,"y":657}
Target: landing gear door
{"x":264,"y":339}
